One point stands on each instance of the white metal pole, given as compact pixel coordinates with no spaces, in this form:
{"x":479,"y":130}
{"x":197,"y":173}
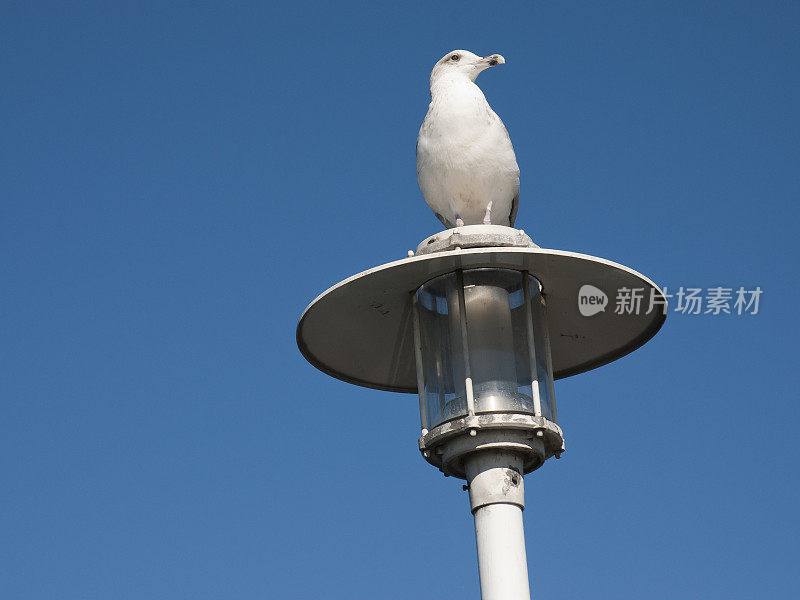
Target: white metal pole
{"x":497,"y":497}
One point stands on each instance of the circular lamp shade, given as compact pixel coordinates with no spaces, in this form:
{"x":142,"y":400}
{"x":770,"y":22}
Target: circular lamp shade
{"x":361,"y":330}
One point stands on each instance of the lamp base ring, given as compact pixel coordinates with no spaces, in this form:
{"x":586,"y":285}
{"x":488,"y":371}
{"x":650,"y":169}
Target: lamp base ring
{"x":535,"y":439}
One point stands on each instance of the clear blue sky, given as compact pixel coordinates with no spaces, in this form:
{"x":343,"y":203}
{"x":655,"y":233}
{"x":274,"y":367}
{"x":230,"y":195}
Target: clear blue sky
{"x":177,"y":183}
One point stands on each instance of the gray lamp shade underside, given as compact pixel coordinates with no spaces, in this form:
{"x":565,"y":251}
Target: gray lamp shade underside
{"x":361,"y":329}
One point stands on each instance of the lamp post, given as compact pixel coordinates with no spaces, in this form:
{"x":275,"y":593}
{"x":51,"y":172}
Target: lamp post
{"x":478,"y":322}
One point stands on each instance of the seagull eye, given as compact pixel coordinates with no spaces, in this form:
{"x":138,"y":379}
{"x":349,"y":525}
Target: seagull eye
{"x":455,"y":57}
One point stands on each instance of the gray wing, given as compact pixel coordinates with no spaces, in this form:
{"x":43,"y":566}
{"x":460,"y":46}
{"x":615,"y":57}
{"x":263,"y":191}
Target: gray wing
{"x":514,"y":206}
{"x":444,"y":221}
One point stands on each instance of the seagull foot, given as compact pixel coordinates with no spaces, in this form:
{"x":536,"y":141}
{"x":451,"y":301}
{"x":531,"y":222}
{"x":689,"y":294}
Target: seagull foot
{"x":487,"y":219}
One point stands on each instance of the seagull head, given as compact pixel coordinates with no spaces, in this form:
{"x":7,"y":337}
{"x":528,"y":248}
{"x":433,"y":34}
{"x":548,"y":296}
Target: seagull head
{"x":463,"y":63}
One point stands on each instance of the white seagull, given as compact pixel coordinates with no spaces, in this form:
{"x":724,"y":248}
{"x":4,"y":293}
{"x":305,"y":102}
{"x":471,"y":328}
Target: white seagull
{"x":466,"y":167}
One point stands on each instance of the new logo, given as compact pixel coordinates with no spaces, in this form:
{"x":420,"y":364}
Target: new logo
{"x":591,"y":300}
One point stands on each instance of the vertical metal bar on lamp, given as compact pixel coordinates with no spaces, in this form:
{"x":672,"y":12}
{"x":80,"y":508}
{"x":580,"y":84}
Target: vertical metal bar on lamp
{"x":546,"y":328}
{"x":537,"y":401}
{"x":462,"y":317}
{"x":423,"y":413}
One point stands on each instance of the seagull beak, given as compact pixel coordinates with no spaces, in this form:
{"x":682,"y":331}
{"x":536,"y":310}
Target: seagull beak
{"x":493,"y":60}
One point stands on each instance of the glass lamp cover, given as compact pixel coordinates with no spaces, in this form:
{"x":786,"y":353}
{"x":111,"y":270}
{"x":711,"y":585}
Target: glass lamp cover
{"x":477,"y":323}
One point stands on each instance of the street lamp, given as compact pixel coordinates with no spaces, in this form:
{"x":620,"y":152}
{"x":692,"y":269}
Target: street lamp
{"x":479,"y":321}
